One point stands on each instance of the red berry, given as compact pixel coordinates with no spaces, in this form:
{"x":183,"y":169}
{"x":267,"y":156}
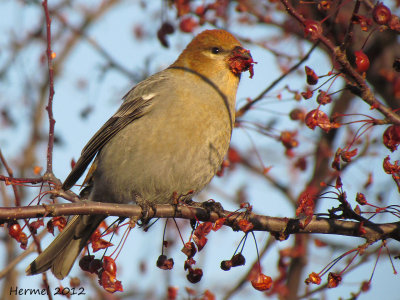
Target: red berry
{"x":188,"y":24}
{"x":381,"y":14}
{"x":362,"y":61}
{"x":313,"y":29}
{"x":14,"y":230}
{"x":109,"y":265}
{"x":262,"y":282}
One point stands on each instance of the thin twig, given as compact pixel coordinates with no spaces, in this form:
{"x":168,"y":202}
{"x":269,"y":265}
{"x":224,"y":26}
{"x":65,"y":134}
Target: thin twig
{"x":248,"y":105}
{"x":349,"y":33}
{"x":49,"y":107}
{"x":11,"y":177}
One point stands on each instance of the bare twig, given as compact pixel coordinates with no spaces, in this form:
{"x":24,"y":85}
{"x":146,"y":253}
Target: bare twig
{"x":10,"y":177}
{"x":49,"y":107}
{"x":248,"y":105}
{"x":11,"y":265}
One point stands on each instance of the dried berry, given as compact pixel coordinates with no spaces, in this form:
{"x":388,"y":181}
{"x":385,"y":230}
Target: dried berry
{"x":333,"y":280}
{"x":307,"y":94}
{"x":165,"y":263}
{"x":364,"y":22}
{"x":312,"y":78}
{"x":95,"y":266}
{"x":23,"y":240}
{"x":226,"y":265}
{"x":324,"y":98}
{"x":245,"y":225}
{"x":313,"y":278}
{"x":189,"y":249}
{"x":238,"y":260}
{"x":360,"y":198}
{"x":194,"y":275}
{"x":85,"y":261}
{"x":297,"y":114}
{"x":165,"y":29}
{"x":391,"y":137}
{"x":288,"y":139}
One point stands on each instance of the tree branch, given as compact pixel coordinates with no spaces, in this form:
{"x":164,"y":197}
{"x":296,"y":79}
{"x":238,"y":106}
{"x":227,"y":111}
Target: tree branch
{"x":281,"y":228}
{"x":340,"y":57}
{"x":49,"y":107}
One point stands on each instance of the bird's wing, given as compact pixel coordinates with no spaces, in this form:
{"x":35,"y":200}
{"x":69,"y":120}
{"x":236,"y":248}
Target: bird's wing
{"x":132,"y":109}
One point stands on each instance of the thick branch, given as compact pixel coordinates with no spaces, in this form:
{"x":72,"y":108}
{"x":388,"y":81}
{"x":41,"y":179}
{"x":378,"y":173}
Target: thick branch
{"x":281,"y":228}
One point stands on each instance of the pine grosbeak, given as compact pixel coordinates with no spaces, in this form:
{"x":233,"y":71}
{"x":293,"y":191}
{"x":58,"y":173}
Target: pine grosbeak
{"x":167,"y":139}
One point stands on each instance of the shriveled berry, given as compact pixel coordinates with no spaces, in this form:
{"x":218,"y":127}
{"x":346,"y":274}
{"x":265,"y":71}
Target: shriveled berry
{"x":165,"y":263}
{"x":226,"y":265}
{"x":95,"y":265}
{"x":85,"y":261}
{"x":312,"y":77}
{"x":194,"y":275}
{"x":238,"y":260}
{"x":324,"y":98}
{"x":297,"y":114}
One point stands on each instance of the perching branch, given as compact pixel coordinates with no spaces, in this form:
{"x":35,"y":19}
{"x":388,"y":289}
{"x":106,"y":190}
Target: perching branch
{"x":281,"y":228}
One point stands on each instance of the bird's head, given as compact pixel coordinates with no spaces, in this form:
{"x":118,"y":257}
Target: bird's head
{"x":214,"y":54}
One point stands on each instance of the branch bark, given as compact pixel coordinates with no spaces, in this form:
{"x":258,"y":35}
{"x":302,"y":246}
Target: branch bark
{"x":281,"y":228}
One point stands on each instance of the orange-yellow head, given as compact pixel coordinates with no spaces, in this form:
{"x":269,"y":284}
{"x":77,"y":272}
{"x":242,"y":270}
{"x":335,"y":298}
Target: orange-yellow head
{"x":213,"y":53}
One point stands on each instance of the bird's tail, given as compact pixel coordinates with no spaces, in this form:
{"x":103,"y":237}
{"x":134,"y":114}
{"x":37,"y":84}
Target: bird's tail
{"x":61,"y":254}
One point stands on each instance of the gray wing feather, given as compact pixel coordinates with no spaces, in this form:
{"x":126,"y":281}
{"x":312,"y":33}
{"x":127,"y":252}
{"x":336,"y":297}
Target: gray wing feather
{"x":129,"y":111}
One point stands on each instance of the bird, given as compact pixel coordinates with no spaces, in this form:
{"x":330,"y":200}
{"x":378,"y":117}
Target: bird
{"x":167,"y":140}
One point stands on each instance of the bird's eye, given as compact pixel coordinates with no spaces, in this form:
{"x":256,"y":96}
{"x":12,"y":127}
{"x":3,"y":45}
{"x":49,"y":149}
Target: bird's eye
{"x":215,"y":50}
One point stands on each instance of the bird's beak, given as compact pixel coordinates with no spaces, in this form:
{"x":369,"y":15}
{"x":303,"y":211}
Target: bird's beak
{"x":240,"y":61}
